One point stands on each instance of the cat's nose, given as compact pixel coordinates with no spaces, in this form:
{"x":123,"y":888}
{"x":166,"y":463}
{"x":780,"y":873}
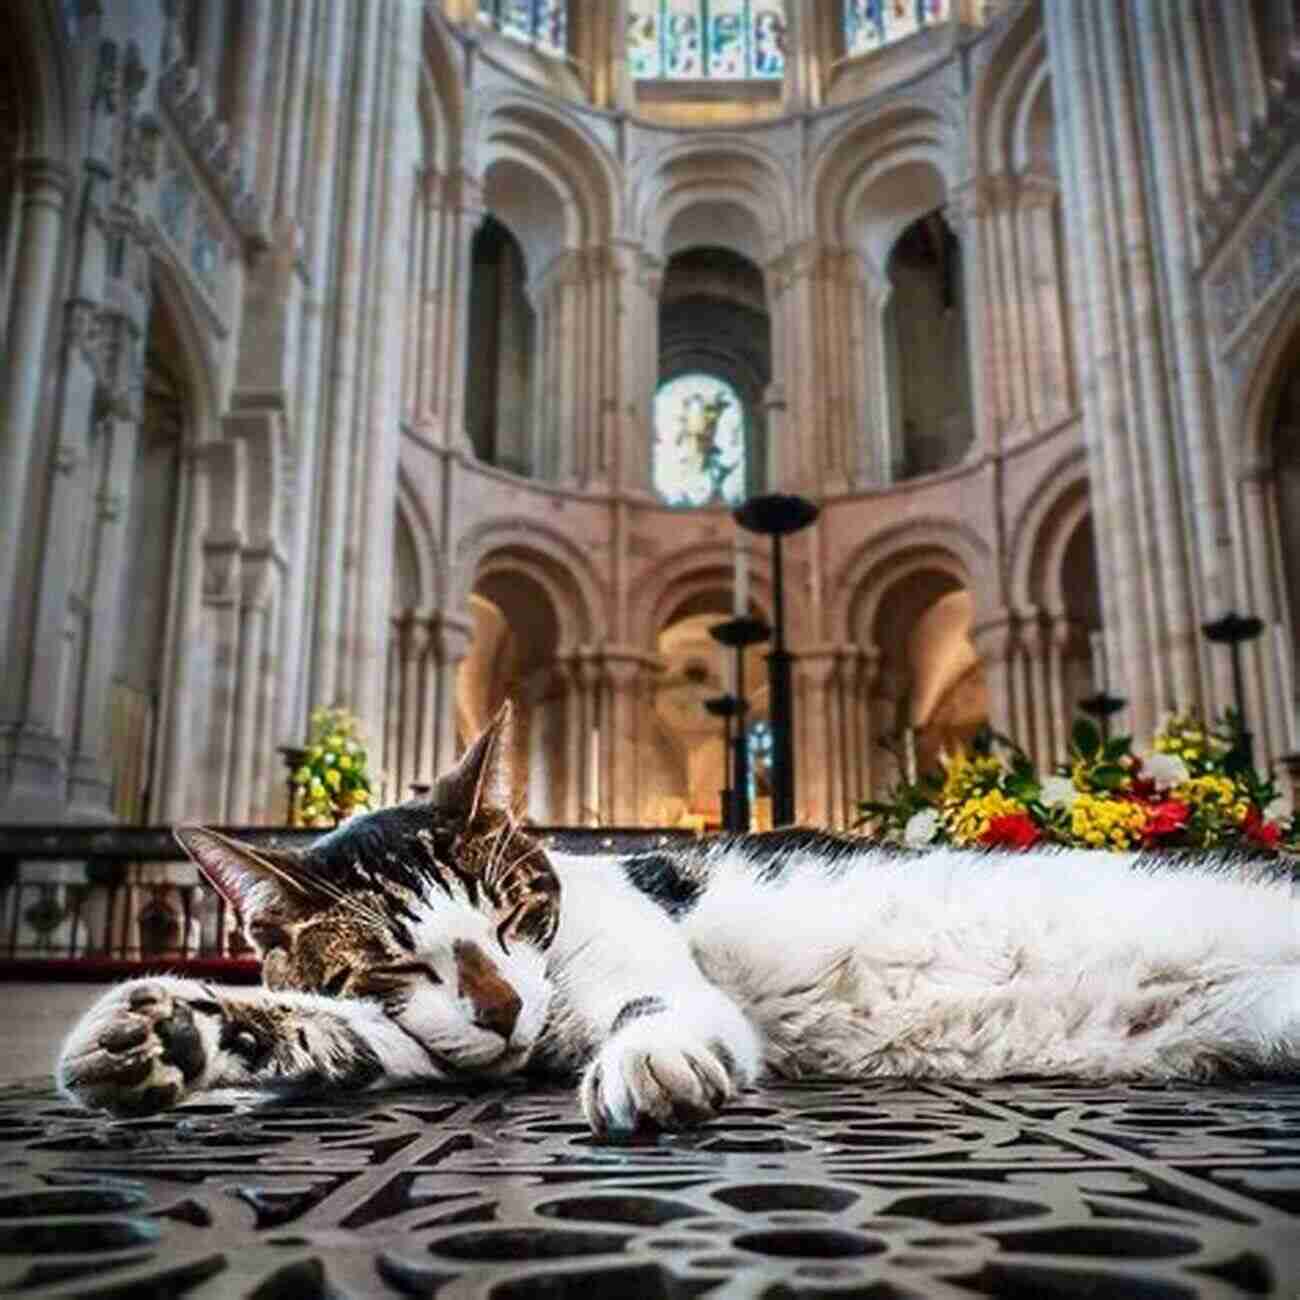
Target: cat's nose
{"x":496,"y":1004}
{"x":499,"y":1015}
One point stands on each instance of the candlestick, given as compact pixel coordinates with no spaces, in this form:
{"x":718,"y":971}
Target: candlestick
{"x":740,"y":583}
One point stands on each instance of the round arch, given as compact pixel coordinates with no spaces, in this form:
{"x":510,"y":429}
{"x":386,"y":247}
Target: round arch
{"x":862,"y":578}
{"x":569,"y":573}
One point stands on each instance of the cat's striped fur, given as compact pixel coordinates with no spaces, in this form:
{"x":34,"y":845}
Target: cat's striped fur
{"x":438,"y":941}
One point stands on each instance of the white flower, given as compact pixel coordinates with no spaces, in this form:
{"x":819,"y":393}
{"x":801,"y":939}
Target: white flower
{"x":1280,"y":810}
{"x":921,"y":828}
{"x":1058,"y":792}
{"x":1165,"y":770}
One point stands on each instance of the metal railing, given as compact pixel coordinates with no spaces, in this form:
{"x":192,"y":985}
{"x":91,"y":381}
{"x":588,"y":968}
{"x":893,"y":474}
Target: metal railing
{"x":102,"y":902}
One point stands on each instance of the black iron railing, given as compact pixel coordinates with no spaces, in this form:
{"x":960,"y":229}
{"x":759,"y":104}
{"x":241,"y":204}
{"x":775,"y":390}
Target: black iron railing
{"x":101,"y":902}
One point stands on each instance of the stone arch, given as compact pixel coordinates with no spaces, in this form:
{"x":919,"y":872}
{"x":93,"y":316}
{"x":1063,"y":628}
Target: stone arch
{"x":565,"y":158}
{"x":421,"y":538}
{"x":1007,"y":101}
{"x":725,"y":192}
{"x":1052,"y":504}
{"x":441,"y":96}
{"x":878,"y":173}
{"x":1055,"y":593}
{"x":37,"y":105}
{"x":568,"y":572}
{"x":955,"y":547}
{"x":908,"y":600}
{"x":1267,"y":467}
{"x":688,"y":574}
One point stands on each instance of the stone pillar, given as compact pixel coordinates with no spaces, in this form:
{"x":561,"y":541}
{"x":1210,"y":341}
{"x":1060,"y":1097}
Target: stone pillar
{"x":1114,"y":170}
{"x":1041,"y":280}
{"x":42,"y":186}
{"x":818,"y":748}
{"x":380,"y":431}
{"x":451,"y":645}
{"x":635,"y":364}
{"x":996,"y":639}
{"x":624,"y":675}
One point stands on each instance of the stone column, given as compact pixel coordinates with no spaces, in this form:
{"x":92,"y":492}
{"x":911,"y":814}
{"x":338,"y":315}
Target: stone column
{"x":571,"y":670}
{"x":1114,"y":169}
{"x":42,"y":186}
{"x":636,"y":364}
{"x":451,"y":645}
{"x":624,"y":677}
{"x":380,"y":432}
{"x":819,"y":749}
{"x":996,"y":639}
{"x":1043,"y":290}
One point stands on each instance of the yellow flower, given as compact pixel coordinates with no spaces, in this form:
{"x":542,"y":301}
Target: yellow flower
{"x":1104,"y":823}
{"x":333,"y":779}
{"x":344,"y":762}
{"x":966,"y":822}
{"x":1208,"y":793}
{"x":965,"y":776}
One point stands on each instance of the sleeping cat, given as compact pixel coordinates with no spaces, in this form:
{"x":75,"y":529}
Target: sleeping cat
{"x":437,"y":941}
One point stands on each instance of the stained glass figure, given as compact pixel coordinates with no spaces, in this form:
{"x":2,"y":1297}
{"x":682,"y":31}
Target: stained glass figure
{"x":540,"y":22}
{"x":681,"y":24}
{"x":722,"y":40}
{"x":643,"y":39}
{"x":871,"y":24}
{"x":699,"y":442}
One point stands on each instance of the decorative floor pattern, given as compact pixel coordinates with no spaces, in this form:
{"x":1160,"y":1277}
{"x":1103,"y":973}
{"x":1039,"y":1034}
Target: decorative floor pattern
{"x":882,"y":1190}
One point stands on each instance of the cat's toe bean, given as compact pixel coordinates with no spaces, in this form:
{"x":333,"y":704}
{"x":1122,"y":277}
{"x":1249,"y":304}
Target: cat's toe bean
{"x":136,"y":1053}
{"x":636,"y":1085}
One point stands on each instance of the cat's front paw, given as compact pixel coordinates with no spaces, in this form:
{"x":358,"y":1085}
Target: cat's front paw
{"x":652,"y":1078}
{"x":139,"y":1050}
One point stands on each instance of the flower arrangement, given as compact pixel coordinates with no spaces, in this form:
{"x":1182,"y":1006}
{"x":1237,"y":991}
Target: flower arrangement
{"x":332,"y":782}
{"x":1190,"y":790}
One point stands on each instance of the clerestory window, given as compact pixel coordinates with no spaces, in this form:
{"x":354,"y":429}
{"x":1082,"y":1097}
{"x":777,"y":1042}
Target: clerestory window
{"x":872,"y":24}
{"x":695,"y":40}
{"x":543,"y":23}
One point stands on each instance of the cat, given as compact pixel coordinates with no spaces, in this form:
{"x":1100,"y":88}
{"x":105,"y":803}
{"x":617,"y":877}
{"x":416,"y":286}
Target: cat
{"x":437,"y":941}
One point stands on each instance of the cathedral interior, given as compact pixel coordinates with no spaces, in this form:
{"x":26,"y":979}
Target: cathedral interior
{"x":408,"y":357}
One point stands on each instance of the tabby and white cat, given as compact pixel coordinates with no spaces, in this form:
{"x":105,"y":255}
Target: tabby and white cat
{"x":438,"y":941}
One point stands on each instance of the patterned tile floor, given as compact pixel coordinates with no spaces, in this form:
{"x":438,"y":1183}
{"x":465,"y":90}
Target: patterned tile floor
{"x":883,"y":1190}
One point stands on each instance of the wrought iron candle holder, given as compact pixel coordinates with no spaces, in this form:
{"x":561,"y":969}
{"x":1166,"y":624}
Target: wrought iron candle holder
{"x":740,"y":634}
{"x":1233,"y":630}
{"x":726,"y":708}
{"x":776,"y":516}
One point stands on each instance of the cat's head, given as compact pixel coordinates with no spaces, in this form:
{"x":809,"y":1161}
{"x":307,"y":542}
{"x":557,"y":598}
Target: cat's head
{"x":440,"y":908}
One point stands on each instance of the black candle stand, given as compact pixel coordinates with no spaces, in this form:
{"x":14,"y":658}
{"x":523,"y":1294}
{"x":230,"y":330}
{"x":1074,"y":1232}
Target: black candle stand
{"x":740,"y":633}
{"x":775,"y":516}
{"x":1233,"y":630}
{"x":1103,"y":706}
{"x":726,"y":708}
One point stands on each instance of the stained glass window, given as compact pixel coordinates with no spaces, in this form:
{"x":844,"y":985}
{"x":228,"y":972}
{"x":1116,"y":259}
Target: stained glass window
{"x":699,"y":442}
{"x":540,"y":22}
{"x":871,"y":24}
{"x":759,"y":737}
{"x":724,"y":40}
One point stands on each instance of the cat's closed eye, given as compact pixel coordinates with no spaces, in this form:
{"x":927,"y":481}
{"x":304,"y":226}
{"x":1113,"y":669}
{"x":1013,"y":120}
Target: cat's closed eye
{"x":336,"y":982}
{"x":411,"y":968}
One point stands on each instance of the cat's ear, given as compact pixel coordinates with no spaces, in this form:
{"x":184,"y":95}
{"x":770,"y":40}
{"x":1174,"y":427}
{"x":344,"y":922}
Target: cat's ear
{"x":268,"y":889}
{"x":479,"y":779}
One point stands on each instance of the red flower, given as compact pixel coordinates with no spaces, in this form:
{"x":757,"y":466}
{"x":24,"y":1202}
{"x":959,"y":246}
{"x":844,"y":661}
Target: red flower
{"x":1012,"y":831}
{"x":1266,"y":834}
{"x":1165,"y":818}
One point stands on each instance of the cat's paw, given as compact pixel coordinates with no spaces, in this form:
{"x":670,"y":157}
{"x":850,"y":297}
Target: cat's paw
{"x":652,"y":1078}
{"x":139,"y":1050}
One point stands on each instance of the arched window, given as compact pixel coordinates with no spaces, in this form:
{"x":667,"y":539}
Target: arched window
{"x":543,"y":23}
{"x":699,"y":441}
{"x":871,"y":24}
{"x":690,"y":40}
